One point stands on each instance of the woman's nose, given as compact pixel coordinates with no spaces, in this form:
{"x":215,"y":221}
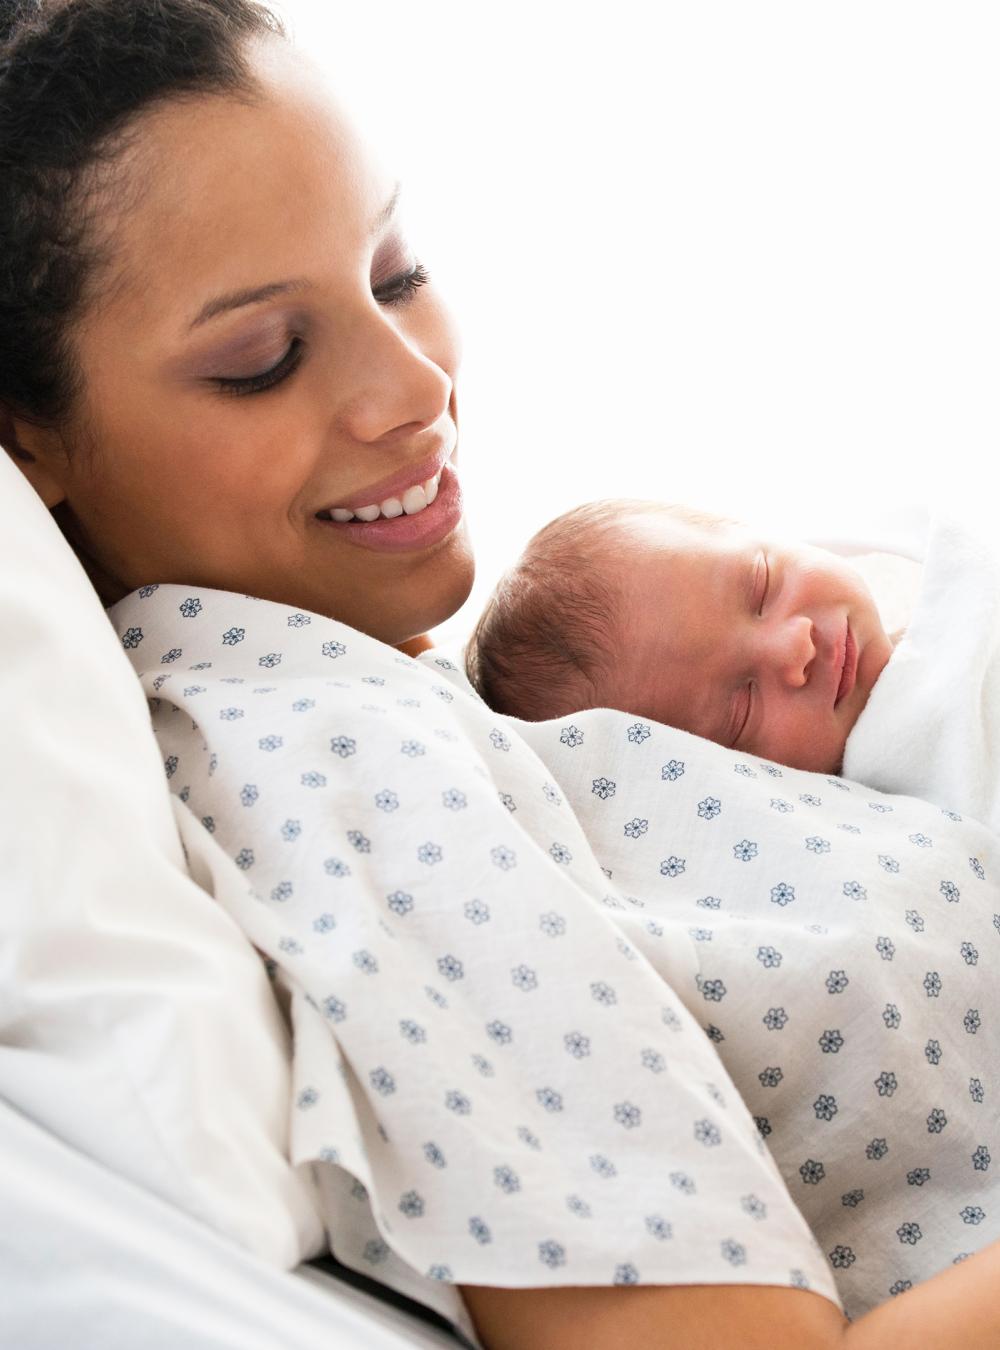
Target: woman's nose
{"x":401,"y":387}
{"x":792,"y":650}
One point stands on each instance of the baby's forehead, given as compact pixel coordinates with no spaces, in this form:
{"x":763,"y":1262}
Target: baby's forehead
{"x":677,"y":532}
{"x":681,"y":579}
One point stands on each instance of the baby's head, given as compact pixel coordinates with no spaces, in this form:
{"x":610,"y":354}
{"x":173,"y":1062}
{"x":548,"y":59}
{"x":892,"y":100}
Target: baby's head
{"x":689,"y":619}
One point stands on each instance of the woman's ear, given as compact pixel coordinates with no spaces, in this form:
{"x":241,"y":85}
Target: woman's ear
{"x":36,"y":451}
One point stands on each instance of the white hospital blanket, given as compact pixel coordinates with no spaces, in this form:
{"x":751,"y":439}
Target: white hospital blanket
{"x":931,"y":727}
{"x":494,"y":1083}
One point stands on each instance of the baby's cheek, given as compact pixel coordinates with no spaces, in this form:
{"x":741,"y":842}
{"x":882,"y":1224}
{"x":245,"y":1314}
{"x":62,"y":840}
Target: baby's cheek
{"x":825,"y":756}
{"x":803,"y":740}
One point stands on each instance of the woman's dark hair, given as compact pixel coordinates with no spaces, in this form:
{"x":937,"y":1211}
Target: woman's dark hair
{"x":74,"y":75}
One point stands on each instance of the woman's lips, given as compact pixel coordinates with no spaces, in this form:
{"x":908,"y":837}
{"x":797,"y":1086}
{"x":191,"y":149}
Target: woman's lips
{"x":405,"y":533}
{"x":850,"y":670}
{"x":397,"y":483}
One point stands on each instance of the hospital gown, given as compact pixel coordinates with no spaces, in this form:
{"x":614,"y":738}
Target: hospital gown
{"x":531,"y":969}
{"x":846,"y":945}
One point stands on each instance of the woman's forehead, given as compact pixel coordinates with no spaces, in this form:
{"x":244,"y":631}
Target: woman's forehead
{"x":235,"y":192}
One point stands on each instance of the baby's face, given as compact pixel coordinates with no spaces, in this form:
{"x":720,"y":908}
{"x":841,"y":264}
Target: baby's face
{"x":768,"y":647}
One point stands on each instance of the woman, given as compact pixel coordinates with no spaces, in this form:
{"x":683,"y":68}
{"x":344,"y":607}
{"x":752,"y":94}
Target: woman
{"x":217,"y":365}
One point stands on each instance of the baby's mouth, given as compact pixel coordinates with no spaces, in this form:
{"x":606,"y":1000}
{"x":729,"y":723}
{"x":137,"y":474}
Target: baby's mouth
{"x":849,"y":672}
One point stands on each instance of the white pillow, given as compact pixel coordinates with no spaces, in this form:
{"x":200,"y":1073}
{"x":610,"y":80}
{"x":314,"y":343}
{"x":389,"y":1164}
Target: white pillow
{"x":137,"y":1022}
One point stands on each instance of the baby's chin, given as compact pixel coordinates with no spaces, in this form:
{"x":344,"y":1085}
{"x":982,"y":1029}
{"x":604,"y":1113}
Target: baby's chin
{"x":873,"y":660}
{"x":838,"y":767}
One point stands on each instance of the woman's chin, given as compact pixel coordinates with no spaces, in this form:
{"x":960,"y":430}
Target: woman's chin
{"x":432,"y":594}
{"x":451,"y":597}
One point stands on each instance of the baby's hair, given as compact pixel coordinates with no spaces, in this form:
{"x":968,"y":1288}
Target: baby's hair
{"x":549,"y":638}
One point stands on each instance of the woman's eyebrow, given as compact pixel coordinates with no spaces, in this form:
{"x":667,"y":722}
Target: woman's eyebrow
{"x":222,"y":304}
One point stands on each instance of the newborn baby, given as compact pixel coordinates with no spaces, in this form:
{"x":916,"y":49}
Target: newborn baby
{"x":690,"y":619}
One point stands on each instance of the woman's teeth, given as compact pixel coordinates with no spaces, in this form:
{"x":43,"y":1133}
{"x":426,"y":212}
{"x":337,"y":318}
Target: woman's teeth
{"x":413,"y":500}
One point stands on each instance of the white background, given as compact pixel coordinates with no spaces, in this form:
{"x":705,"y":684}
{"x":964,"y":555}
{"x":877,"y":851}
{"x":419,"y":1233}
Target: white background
{"x":743,"y":255}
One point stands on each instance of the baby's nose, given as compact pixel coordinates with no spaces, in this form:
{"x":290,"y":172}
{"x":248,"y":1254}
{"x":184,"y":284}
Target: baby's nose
{"x":795,"y":650}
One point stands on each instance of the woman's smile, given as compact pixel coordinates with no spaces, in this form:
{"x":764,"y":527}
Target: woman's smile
{"x":397,"y":529}
{"x":390,"y":494}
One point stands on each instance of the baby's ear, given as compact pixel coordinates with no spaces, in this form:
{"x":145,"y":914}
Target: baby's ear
{"x":36,"y":451}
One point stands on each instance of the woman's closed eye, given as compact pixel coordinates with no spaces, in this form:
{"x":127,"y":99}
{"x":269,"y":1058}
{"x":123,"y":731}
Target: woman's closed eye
{"x":254,"y":384}
{"x":396,"y":292}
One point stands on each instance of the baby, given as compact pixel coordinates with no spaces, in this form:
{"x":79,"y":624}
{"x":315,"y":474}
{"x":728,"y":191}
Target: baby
{"x":689,"y":619}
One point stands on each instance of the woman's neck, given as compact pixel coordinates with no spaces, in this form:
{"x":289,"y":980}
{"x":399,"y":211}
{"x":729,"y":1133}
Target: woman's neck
{"x":415,"y":645}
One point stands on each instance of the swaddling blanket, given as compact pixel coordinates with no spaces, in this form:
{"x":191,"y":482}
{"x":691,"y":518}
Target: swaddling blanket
{"x":494,"y":1083}
{"x":931,"y":726}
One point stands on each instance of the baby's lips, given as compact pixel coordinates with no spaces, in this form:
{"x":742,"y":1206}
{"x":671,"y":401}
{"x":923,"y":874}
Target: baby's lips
{"x":849,"y":671}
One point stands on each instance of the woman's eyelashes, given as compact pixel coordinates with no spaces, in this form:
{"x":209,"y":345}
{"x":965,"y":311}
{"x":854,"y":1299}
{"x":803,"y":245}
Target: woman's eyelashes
{"x":396,"y":292}
{"x":405,"y":285}
{"x":254,"y":384}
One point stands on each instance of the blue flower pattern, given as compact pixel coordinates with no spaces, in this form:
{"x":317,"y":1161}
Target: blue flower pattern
{"x":814,"y":958}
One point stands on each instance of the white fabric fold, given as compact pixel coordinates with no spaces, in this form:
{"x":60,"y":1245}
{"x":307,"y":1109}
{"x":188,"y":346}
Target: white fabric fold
{"x":931,"y":727}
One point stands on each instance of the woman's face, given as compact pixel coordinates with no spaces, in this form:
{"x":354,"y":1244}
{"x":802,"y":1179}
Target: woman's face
{"x":256,"y":356}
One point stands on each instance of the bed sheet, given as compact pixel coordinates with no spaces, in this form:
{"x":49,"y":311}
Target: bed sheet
{"x":91,"y":1260}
